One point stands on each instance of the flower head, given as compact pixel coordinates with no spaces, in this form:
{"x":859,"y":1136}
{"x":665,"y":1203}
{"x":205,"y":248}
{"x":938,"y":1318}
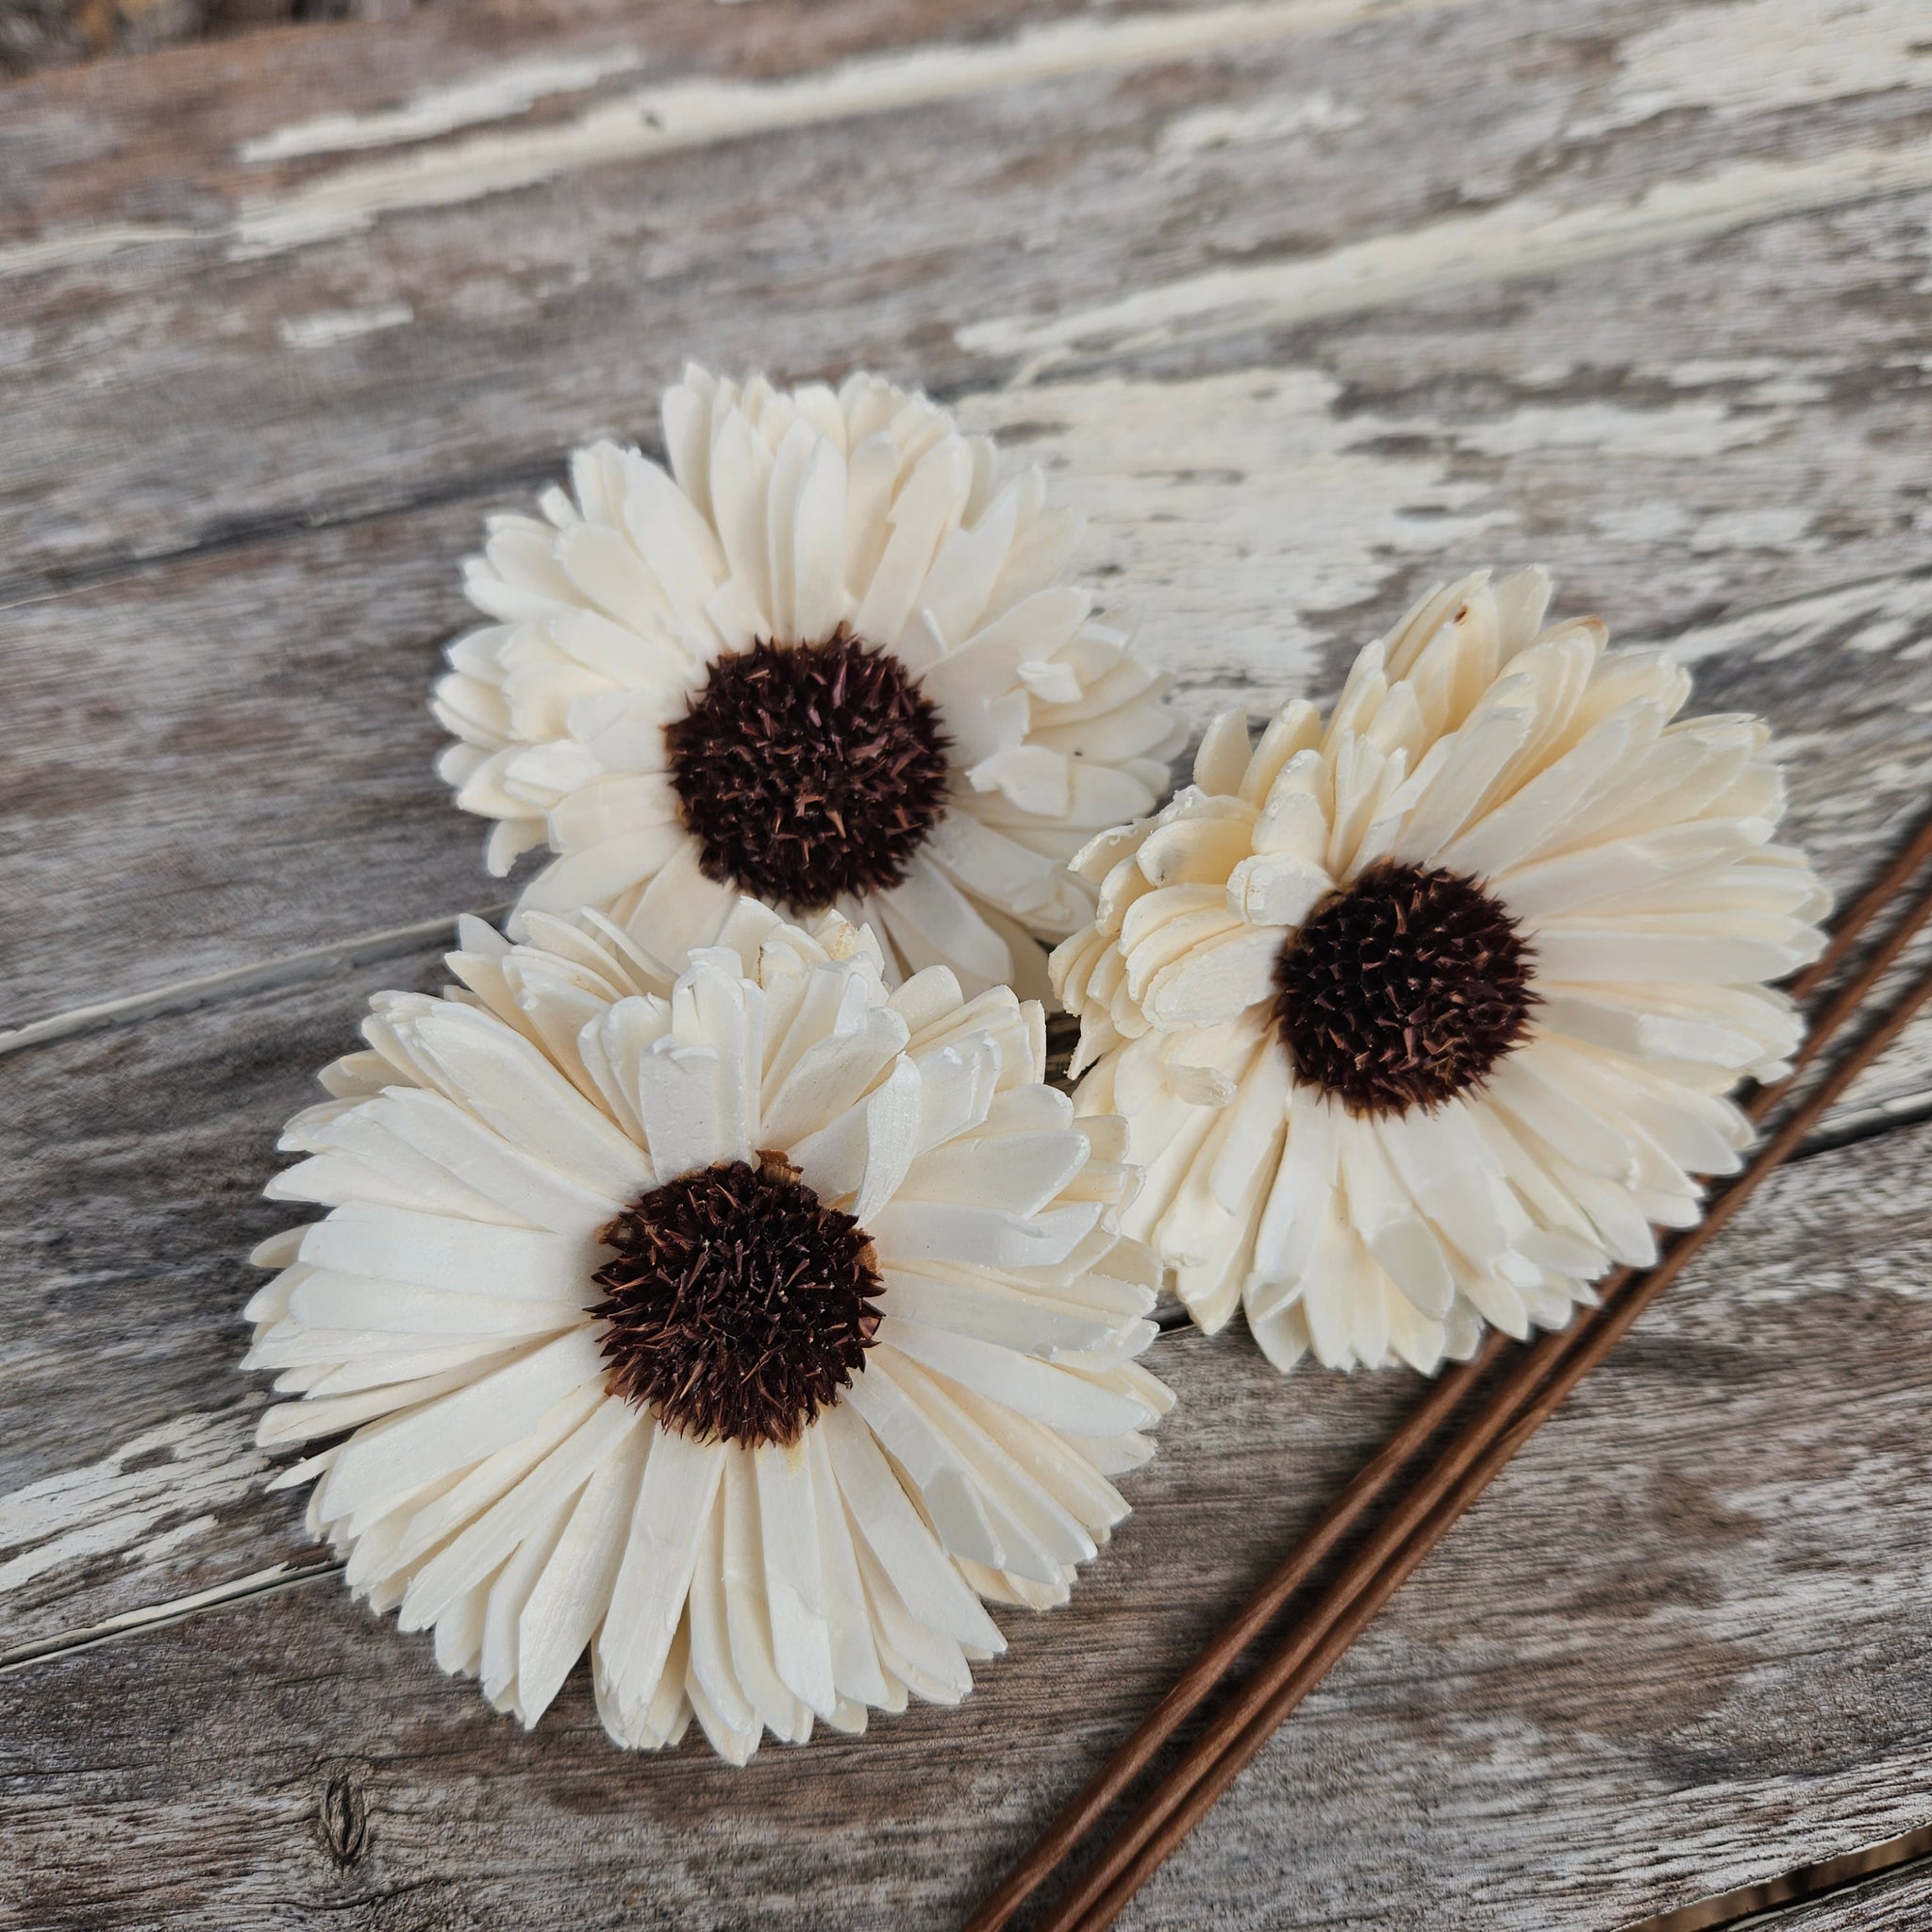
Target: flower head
{"x":747,"y":1323}
{"x":1421,"y":1016}
{"x":827,"y":660}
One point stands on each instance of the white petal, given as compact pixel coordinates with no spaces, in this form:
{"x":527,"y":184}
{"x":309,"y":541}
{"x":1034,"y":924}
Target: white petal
{"x":794,"y":1573}
{"x":1031,"y":1387}
{"x":567,"y":1605}
{"x":674,"y":1503}
{"x":462,"y":1427}
{"x":890,"y":1527}
{"x":433,"y":1251}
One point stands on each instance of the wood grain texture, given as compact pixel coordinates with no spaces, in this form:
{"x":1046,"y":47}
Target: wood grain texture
{"x":470,"y":336}
{"x":1687,"y":1625}
{"x":1305,"y":301}
{"x":133,"y":1163}
{"x":36,"y":34}
{"x":235,"y":742}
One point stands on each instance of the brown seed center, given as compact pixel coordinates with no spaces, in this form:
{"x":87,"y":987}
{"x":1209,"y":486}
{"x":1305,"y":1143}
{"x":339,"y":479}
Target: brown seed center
{"x":808,"y":771}
{"x":1402,"y":991}
{"x":738,"y":1305}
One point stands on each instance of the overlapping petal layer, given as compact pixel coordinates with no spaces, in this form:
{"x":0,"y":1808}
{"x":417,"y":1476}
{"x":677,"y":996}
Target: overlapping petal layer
{"x":791,"y":518}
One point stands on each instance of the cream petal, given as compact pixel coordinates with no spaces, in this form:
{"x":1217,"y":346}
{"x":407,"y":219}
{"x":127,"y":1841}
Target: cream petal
{"x":892,"y":1530}
{"x":1023,"y":1171}
{"x":794,"y":1574}
{"x":747,"y":1614}
{"x":1018,"y":1382}
{"x":1222,"y":761}
{"x":435,"y":1251}
{"x":673,"y":1512}
{"x":603,"y":872}
{"x":569,"y":1601}
{"x":448,"y":1435}
{"x":855,"y":1673}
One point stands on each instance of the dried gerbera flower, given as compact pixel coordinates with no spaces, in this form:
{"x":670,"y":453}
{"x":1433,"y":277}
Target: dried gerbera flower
{"x":831,"y":664}
{"x":747,"y":1326}
{"x":1423,"y":1016}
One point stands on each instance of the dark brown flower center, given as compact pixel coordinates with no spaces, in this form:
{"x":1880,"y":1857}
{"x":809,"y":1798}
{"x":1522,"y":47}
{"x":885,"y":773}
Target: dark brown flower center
{"x":738,"y":1305}
{"x":1404,"y":990}
{"x":808,"y":771}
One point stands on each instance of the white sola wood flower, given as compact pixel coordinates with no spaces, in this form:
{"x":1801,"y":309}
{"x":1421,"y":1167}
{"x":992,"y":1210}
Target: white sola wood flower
{"x":1420,"y":1018}
{"x":826,"y":660}
{"x":747,"y":1327}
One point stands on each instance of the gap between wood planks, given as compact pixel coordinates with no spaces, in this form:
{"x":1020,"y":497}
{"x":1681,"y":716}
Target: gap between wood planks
{"x":178,"y":1610}
{"x":522,"y":479}
{"x":1770,"y":1899}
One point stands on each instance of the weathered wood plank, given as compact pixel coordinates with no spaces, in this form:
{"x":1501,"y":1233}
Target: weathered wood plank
{"x":350,"y":332}
{"x":1308,"y":301}
{"x":166,"y":140}
{"x":1685,"y":1629}
{"x":1869,"y":1879}
{"x":133,"y":1167}
{"x":232,"y":758}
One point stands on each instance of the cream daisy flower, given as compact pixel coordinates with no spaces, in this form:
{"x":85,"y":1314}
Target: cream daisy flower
{"x":747,"y":1326}
{"x":827,"y":662}
{"x":1422,"y":1017}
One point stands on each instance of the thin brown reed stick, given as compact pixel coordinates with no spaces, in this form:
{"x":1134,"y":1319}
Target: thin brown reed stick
{"x":1187,"y":1793}
{"x":1881,"y":893}
{"x":1380,"y":1472}
{"x":1207,"y":1670}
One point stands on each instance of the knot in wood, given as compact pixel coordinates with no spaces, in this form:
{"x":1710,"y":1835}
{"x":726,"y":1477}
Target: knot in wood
{"x":344,"y":1817}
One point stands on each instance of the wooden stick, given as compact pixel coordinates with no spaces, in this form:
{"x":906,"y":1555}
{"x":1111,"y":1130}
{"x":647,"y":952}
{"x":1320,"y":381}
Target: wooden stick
{"x":1879,"y":895}
{"x":1079,"y":1817}
{"x":1230,"y":1743}
{"x":1207,"y":1670}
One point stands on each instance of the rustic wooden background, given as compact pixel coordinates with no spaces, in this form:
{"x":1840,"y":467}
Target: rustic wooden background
{"x":1308,"y":302}
{"x":51,"y":33}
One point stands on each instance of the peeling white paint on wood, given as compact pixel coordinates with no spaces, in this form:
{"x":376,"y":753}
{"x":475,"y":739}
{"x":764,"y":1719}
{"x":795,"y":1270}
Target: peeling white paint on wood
{"x":1240,"y":511}
{"x":692,"y":113}
{"x":1262,"y":123}
{"x":497,"y":95}
{"x":1529,"y":236}
{"x":1618,"y":431}
{"x":1893,"y":615}
{"x":329,"y":326}
{"x":131,"y":1501}
{"x":662,"y":119}
{"x":1232,"y":510}
{"x":1764,"y":55}
{"x":89,"y":243}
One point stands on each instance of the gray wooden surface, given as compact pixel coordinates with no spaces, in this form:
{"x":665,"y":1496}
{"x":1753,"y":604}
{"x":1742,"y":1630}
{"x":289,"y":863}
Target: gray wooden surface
{"x":1306,"y":302}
